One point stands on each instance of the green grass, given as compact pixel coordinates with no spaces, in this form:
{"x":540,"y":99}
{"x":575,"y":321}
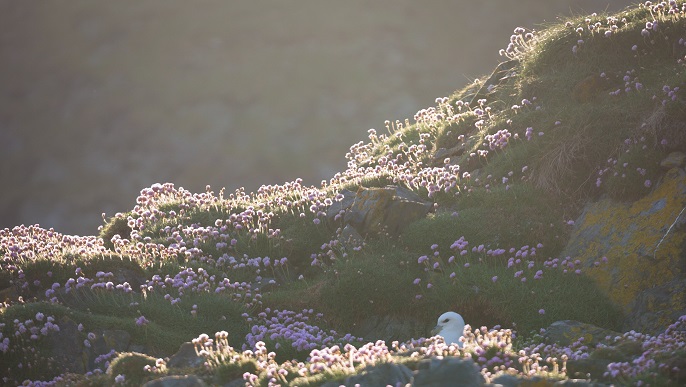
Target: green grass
{"x":369,"y":286}
{"x":169,"y":325}
{"x":531,"y":217}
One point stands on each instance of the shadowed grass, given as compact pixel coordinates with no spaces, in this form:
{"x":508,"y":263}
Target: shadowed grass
{"x":532,"y":217}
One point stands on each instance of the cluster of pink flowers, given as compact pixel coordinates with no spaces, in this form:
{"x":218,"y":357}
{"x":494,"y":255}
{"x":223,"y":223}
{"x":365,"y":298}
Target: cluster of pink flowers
{"x":491,"y":349}
{"x":521,"y":41}
{"x":654,"y":349}
{"x":295,"y":328}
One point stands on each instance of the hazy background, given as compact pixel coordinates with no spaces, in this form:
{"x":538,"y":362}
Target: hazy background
{"x":99,"y":99}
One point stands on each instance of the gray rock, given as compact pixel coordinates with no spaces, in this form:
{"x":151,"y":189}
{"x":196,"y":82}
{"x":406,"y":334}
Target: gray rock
{"x":185,"y":357}
{"x":642,"y":242}
{"x":449,"y":371}
{"x":567,"y":332}
{"x":116,"y":339}
{"x":382,"y":375}
{"x":177,"y":381}
{"x":389,"y":209}
{"x":402,"y":212}
{"x":656,"y":308}
{"x":369,"y":210}
{"x":674,"y":160}
{"x":340,"y":206}
{"x":350,"y":238}
{"x":506,"y":380}
{"x":67,"y":346}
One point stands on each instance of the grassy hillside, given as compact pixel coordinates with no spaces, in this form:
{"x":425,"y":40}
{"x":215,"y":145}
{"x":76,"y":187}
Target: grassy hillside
{"x":581,"y":109}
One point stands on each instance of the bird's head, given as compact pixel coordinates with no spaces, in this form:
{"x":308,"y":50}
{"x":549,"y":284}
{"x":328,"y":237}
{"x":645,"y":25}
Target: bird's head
{"x":449,"y":321}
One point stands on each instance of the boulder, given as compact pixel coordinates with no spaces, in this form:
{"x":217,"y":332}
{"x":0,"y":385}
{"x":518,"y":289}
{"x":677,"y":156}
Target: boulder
{"x":380,"y":375}
{"x":350,"y":238}
{"x":185,"y":357}
{"x":116,"y":339}
{"x":389,"y":209}
{"x":177,"y":381}
{"x":644,"y":241}
{"x":656,"y":308}
{"x":567,"y":332}
{"x":70,"y":352}
{"x":67,"y":347}
{"x":339,"y":207}
{"x":506,"y":380}
{"x":448,"y":371}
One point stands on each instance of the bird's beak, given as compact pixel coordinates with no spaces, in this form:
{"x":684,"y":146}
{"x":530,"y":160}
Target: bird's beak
{"x":435,"y":331}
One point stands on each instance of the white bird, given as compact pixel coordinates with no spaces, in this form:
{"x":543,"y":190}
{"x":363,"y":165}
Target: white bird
{"x":451,"y":327}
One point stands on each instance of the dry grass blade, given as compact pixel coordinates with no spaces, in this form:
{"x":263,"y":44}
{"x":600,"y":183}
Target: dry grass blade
{"x":557,"y":163}
{"x":659,"y":125}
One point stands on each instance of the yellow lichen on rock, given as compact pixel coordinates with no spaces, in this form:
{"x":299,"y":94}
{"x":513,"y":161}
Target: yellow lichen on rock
{"x":634,"y":237}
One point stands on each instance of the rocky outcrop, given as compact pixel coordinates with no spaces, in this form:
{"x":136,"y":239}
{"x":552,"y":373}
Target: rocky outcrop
{"x":380,"y":375}
{"x":658,"y":307}
{"x":378,"y":210}
{"x":68,"y":347}
{"x":645,"y":246}
{"x":566,"y":332}
{"x":186,"y":356}
{"x":77,"y":351}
